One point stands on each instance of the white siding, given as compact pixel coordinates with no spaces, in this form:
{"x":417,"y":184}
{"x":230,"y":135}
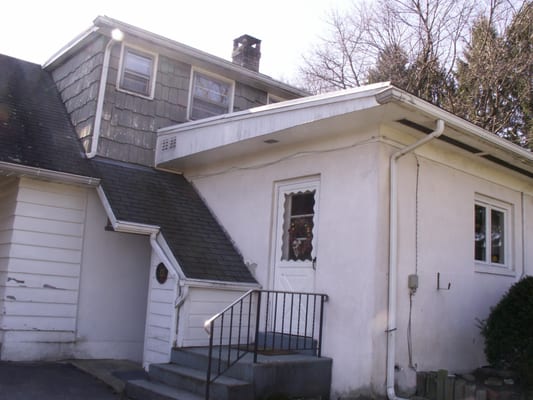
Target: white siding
{"x":202,"y":304}
{"x":160,"y":329}
{"x":8,"y":196}
{"x":42,"y":273}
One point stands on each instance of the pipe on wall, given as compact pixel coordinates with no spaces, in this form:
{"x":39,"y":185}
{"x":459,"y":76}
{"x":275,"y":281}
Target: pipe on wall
{"x":393,"y":254}
{"x":116,"y":37}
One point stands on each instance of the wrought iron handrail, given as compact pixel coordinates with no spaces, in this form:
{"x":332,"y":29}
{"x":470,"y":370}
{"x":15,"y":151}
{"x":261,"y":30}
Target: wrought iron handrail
{"x":264,"y":321}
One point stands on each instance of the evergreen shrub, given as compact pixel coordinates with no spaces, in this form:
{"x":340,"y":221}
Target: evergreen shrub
{"x":508,"y":331}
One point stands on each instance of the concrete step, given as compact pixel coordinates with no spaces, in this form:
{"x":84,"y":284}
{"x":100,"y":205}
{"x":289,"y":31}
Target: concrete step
{"x":142,"y":389}
{"x":297,"y":375}
{"x":197,"y":358}
{"x":193,"y":380}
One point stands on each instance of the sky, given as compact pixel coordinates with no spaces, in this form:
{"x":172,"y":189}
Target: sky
{"x":33,"y":30}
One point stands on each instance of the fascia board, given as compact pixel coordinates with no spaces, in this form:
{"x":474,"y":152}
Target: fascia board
{"x":103,"y":21}
{"x":124,"y":226}
{"x":70,"y":46}
{"x":46,"y":174}
{"x":224,"y":130}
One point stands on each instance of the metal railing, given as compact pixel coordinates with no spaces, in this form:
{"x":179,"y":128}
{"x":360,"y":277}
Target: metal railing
{"x":264,"y":321}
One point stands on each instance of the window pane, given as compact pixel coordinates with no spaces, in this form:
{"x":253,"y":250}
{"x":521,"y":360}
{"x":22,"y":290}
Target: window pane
{"x":136,"y":72}
{"x":298,"y":226}
{"x":497,"y":237}
{"x":210,"y":97}
{"x":138,"y":64}
{"x":480,"y":233}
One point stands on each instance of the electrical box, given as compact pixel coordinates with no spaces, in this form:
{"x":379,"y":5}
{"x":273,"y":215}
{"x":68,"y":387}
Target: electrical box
{"x":412,"y":282}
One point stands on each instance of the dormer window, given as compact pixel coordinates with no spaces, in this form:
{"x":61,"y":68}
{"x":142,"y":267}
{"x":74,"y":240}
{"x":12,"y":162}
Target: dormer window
{"x":210,"y":95}
{"x":137,"y":72}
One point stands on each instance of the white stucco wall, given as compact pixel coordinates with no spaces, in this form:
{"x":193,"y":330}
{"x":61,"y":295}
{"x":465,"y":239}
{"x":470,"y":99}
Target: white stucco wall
{"x":113,"y":290}
{"x":445,"y":332}
{"x":351,"y":257}
{"x":353,"y":246}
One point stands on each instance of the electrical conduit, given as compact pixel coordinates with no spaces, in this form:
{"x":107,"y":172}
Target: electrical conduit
{"x":393,"y":254}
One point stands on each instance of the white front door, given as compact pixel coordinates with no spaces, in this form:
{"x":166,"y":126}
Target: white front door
{"x":295,"y":235}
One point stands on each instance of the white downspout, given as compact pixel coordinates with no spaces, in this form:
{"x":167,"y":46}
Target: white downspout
{"x":393,"y":253}
{"x":117,"y":36}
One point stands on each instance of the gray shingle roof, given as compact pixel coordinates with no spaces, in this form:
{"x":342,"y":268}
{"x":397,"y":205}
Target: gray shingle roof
{"x":35,"y":131}
{"x":148,"y":196}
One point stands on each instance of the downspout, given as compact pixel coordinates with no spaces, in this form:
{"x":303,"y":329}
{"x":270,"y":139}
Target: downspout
{"x":393,"y":254}
{"x":116,"y":36}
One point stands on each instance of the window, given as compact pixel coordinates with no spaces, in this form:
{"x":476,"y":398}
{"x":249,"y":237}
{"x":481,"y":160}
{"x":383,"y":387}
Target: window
{"x":297,"y":207}
{"x":137,"y":72}
{"x":492,"y":232}
{"x":210,"y":96}
{"x":271,"y":99}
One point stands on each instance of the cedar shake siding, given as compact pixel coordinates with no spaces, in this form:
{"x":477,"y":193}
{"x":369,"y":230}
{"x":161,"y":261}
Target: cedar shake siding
{"x":130,"y":122}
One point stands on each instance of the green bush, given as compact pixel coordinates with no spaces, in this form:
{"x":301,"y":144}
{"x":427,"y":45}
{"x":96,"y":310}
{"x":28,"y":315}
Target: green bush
{"x":508,"y":331}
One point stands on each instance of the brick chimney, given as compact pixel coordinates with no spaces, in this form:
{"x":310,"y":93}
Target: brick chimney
{"x":247,"y":52}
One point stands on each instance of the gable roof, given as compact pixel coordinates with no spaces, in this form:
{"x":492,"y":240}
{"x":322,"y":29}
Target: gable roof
{"x":104,"y":25}
{"x":35,"y":129}
{"x":147,"y":196}
{"x":36,"y":134}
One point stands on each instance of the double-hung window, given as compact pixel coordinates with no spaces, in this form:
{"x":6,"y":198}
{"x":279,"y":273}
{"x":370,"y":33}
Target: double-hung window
{"x":492,"y":233}
{"x":210,"y":95}
{"x":137,"y":72}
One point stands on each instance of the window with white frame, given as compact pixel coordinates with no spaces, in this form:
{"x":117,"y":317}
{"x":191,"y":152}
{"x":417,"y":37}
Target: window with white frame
{"x":137,"y":72}
{"x":297,"y":210}
{"x":492,"y":233}
{"x":210,"y":96}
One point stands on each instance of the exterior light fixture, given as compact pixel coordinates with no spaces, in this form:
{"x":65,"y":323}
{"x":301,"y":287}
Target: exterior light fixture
{"x":117,"y":35}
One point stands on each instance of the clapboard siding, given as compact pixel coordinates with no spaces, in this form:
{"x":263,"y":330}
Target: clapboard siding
{"x":202,"y":304}
{"x":41,"y":276}
{"x":160,"y":316}
{"x":8,"y":202}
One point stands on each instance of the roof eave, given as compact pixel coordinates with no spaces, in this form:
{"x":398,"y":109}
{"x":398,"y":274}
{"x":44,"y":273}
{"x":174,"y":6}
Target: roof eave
{"x":105,"y":25}
{"x":520,"y":156}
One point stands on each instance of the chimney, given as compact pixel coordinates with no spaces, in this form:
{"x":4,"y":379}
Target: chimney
{"x":247,"y":52}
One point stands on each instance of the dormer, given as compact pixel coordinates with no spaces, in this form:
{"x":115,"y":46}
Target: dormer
{"x":120,"y":84}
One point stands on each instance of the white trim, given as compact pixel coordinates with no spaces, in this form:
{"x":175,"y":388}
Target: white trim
{"x":47,"y":174}
{"x":222,"y":285}
{"x":215,"y":77}
{"x":153,"y":73}
{"x":70,"y":46}
{"x":124,"y":226}
{"x":277,"y":99}
{"x":507,"y":267}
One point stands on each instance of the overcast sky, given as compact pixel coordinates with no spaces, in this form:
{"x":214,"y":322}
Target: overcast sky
{"x":34,"y":30}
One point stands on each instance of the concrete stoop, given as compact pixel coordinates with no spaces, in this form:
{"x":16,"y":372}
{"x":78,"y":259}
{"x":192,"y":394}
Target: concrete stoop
{"x":285,"y":375}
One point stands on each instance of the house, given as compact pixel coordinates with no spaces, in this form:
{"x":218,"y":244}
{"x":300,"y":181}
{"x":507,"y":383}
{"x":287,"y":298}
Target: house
{"x":203,"y":179}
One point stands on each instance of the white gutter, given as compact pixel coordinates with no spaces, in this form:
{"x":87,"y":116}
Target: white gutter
{"x":393,"y":254}
{"x":34,"y":172}
{"x":100,"y":100}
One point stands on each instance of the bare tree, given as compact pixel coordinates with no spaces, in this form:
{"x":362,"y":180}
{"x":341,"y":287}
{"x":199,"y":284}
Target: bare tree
{"x":426,"y":46}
